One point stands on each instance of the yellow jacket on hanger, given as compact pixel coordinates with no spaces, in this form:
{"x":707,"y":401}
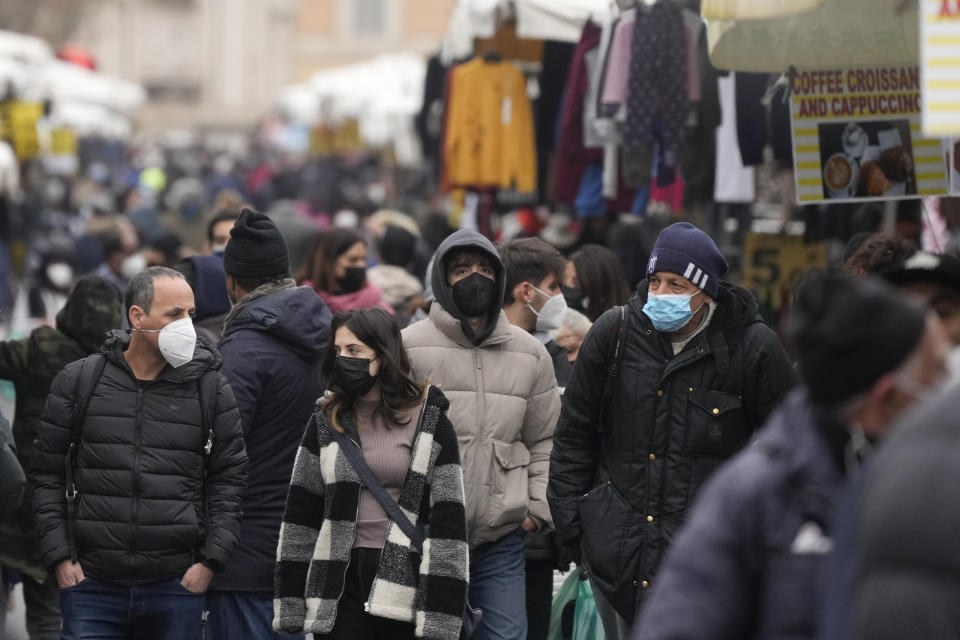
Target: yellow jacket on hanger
{"x":490,"y":138}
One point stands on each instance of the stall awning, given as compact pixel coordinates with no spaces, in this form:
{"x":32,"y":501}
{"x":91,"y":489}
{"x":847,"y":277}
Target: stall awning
{"x":835,"y":34}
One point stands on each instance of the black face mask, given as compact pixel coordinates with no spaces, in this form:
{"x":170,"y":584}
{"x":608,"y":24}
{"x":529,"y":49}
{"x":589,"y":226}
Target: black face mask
{"x":474,"y":295}
{"x":353,"y":280}
{"x":353,"y":375}
{"x":575,"y":298}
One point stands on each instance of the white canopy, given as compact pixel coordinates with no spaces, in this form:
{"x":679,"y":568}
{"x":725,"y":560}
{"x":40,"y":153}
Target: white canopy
{"x":560,"y":20}
{"x":836,"y":34}
{"x":65,"y":81}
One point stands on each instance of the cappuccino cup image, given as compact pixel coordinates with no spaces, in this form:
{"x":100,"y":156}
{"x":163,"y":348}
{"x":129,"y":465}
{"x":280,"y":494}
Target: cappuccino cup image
{"x":840,"y":174}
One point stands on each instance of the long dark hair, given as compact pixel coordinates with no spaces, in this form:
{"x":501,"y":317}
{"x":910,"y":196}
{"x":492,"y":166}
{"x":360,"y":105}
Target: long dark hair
{"x":601,"y":278}
{"x":378,"y":330}
{"x":330,"y":245}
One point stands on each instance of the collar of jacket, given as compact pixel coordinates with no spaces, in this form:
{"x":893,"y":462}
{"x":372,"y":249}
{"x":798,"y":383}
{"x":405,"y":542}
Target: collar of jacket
{"x":450,"y":327}
{"x":259,"y":292}
{"x":204,"y":357}
{"x":794,"y":438}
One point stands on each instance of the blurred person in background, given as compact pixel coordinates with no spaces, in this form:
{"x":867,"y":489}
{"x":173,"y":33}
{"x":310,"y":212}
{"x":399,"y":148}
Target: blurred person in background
{"x":44,"y":293}
{"x":665,"y":389}
{"x":218,"y":230}
{"x":93,"y":308}
{"x":12,"y":484}
{"x":533,"y":302}
{"x":573,"y":329}
{"x":748,"y":563}
{"x":878,"y":254}
{"x":272,"y":345}
{"x":337,"y":271}
{"x":504,"y":402}
{"x":396,"y":248}
{"x":594,"y":281}
{"x":121,"y":259}
{"x":206,"y":277}
{"x":162,"y":249}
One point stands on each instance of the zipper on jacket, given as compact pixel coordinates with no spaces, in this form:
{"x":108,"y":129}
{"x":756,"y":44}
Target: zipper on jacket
{"x":135,"y":477}
{"x":481,"y":391}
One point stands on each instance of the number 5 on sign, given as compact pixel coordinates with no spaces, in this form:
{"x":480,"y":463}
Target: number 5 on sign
{"x":779,"y":261}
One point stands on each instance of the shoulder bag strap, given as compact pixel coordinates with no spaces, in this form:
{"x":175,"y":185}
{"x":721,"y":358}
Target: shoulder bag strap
{"x":354,"y":454}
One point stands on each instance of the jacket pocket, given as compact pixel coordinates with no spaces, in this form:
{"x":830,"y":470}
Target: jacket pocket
{"x":715,"y":424}
{"x":509,"y":483}
{"x":605,"y":519}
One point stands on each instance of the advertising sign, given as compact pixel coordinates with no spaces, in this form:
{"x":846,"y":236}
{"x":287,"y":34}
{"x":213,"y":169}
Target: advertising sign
{"x":857,"y":136}
{"x":940,"y":60}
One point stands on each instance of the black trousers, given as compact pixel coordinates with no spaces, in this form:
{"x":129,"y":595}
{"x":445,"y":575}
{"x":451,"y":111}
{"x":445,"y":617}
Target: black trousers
{"x":539,"y":597}
{"x":353,"y":623}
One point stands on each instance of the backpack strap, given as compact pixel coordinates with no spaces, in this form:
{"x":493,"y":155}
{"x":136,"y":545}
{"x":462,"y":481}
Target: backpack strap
{"x":368,"y":478}
{"x":616,"y":361}
{"x":90,"y":374}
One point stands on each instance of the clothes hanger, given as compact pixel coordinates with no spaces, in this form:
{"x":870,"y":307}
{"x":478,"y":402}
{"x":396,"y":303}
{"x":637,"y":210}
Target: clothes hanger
{"x":492,"y":56}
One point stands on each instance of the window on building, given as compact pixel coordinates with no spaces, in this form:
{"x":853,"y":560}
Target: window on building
{"x":369,"y":16}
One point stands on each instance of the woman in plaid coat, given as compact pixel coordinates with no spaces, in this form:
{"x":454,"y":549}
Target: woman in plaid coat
{"x":344,"y":569}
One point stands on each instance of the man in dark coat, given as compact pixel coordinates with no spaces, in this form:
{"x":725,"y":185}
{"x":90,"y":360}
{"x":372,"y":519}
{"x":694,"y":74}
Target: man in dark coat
{"x":272,"y":344}
{"x":533,"y":301}
{"x":94,"y":307}
{"x":663,"y":391}
{"x":748,"y":562}
{"x":156,"y":495}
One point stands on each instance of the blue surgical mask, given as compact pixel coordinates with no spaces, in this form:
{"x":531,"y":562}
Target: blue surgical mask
{"x":669,"y":312}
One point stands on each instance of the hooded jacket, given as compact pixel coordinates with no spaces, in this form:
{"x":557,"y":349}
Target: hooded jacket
{"x":92,"y":310}
{"x":620,"y":488}
{"x":210,"y":292}
{"x":504,"y":401}
{"x":271,"y":346}
{"x":140,"y":471}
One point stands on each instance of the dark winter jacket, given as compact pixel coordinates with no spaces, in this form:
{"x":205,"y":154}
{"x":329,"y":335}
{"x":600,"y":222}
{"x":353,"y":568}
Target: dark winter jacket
{"x":210,"y":290}
{"x":93,"y":309}
{"x":271,"y":352}
{"x":620,"y":490}
{"x":903,"y":534}
{"x":139,"y":471}
{"x":748,"y":563}
{"x":12,"y":479}
{"x":426,"y":587}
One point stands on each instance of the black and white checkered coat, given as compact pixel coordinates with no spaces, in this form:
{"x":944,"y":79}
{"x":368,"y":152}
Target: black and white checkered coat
{"x":319,"y":524}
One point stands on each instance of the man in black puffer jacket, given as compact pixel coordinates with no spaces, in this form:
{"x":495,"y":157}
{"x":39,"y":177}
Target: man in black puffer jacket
{"x":698,"y":372}
{"x":158,"y":497}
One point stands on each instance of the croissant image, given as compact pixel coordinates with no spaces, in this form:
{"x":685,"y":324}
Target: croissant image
{"x":873,"y":181}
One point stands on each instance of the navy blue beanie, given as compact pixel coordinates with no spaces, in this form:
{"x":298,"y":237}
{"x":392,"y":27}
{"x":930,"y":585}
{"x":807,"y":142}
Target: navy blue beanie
{"x":689,"y":252}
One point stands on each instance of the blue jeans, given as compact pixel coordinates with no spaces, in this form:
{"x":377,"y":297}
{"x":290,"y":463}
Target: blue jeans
{"x":164,"y":610}
{"x":242,"y":614}
{"x":498,"y":587}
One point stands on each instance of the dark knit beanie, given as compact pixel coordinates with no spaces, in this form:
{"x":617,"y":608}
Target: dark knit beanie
{"x":928,"y":267}
{"x":398,"y":246}
{"x":685,"y":250}
{"x":849,"y":332}
{"x":256,"y":248}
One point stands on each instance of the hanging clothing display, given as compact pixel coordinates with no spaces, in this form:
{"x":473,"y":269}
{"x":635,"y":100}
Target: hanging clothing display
{"x":734,"y":181}
{"x":553,"y":79}
{"x":657,"y":89}
{"x":489,"y":138}
{"x":572,"y":156}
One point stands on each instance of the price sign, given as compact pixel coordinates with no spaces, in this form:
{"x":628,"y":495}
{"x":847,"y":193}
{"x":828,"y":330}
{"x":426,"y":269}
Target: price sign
{"x":776,"y":263}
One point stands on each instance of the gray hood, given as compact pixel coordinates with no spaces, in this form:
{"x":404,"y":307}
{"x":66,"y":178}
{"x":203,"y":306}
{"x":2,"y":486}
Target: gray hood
{"x":443,"y":292}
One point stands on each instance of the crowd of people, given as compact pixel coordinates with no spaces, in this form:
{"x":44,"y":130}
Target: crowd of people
{"x":371,"y":425}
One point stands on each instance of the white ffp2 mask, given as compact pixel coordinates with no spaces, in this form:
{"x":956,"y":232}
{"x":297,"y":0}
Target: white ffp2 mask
{"x":177,"y":341}
{"x":550,"y":315}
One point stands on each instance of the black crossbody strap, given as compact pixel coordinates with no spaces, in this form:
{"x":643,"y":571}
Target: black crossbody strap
{"x":354,"y":454}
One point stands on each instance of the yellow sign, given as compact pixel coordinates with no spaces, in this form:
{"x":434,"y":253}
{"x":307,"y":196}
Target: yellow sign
{"x":63,"y":142}
{"x":857,"y":136}
{"x":18,"y":125}
{"x":326,"y":140}
{"x":776,"y":263}
{"x":939,"y":47}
